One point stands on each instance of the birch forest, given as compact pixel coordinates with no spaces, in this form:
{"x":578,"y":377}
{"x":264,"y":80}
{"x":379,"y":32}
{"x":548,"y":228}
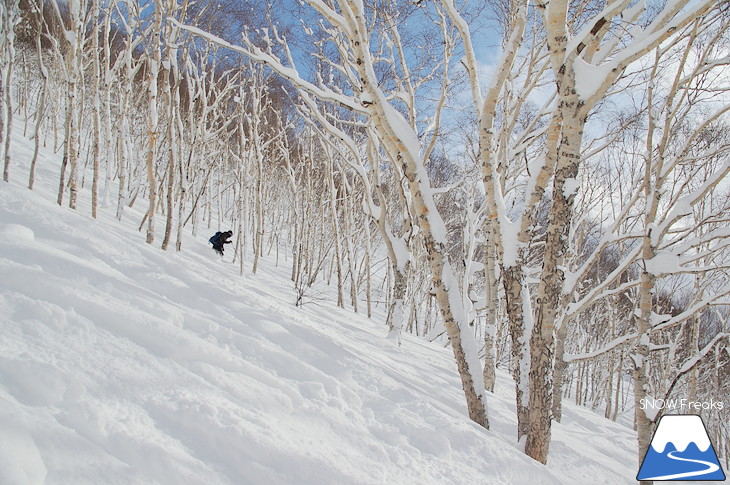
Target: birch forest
{"x":542,"y":187}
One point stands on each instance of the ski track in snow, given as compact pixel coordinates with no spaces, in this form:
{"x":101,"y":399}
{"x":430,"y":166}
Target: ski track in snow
{"x":124,"y":364}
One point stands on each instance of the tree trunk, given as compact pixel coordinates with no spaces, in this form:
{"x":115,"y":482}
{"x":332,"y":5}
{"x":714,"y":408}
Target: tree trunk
{"x":542,"y":339}
{"x":74,"y":116}
{"x":368,"y":294}
{"x":640,"y":357}
{"x":110,"y":147}
{"x":153,"y":66}
{"x":172,"y":154}
{"x":335,"y":225}
{"x":559,"y":372}
{"x":519,"y":312}
{"x":96,"y":109}
{"x":490,"y":327}
{"x":10,"y":16}
{"x":396,"y":310}
{"x":123,"y":137}
{"x":40,"y":113}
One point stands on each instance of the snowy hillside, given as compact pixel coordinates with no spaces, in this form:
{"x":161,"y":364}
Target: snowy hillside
{"x":124,"y":364}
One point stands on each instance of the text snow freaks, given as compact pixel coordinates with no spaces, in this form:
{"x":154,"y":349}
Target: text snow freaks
{"x":680,"y":404}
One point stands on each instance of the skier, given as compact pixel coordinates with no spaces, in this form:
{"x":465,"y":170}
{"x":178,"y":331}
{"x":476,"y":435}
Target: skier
{"x":219,"y":239}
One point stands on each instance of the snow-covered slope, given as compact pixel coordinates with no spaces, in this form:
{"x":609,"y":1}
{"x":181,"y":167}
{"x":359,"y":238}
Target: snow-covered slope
{"x":124,"y":364}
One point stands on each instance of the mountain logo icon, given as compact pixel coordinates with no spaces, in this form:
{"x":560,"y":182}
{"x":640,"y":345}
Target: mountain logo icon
{"x":681,"y":450}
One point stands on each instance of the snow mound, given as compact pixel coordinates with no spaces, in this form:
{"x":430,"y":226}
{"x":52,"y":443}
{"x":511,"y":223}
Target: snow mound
{"x":20,"y":459}
{"x":16,"y":232}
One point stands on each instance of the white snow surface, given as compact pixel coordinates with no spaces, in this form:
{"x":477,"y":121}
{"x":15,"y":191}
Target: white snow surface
{"x":681,"y":431}
{"x":121,"y":363}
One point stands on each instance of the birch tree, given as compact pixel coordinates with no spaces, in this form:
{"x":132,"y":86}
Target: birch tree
{"x":586,"y":60}
{"x":403,"y":147}
{"x":9,"y":18}
{"x":154,"y":55}
{"x":129,"y":69}
{"x":96,"y":105}
{"x":663,"y":167}
{"x":38,"y":16}
{"x":74,"y":36}
{"x":662,"y":224}
{"x":171,"y":89}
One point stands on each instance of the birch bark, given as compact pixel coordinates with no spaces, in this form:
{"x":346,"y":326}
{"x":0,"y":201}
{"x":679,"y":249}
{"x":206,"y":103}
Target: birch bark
{"x":10,"y":17}
{"x":153,"y":72}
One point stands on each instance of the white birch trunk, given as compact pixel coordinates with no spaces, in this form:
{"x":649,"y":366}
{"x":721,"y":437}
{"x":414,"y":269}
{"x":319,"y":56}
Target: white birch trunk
{"x":96,"y":108}
{"x":9,"y":16}
{"x":40,"y":112}
{"x":153,"y":67}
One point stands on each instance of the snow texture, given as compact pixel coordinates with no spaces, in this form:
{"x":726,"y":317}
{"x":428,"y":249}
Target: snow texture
{"x":124,"y":364}
{"x":570,"y":187}
{"x":510,"y":233}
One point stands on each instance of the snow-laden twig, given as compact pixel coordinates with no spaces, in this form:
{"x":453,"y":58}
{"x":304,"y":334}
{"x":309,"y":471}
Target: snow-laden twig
{"x":289,"y":73}
{"x":606,"y":348}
